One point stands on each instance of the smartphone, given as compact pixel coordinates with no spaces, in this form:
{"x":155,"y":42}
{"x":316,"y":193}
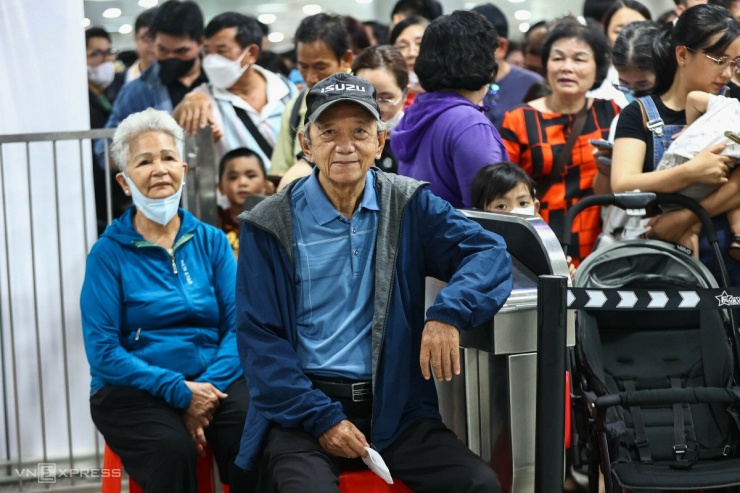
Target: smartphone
{"x":601,"y":144}
{"x":604,"y":164}
{"x":733,"y":136}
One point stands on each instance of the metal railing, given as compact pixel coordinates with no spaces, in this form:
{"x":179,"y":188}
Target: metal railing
{"x":48,"y":225}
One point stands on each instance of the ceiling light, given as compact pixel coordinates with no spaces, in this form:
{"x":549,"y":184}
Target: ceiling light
{"x":364,"y":1}
{"x":524,"y":27}
{"x":85,"y":22}
{"x":522,"y":15}
{"x":112,"y":13}
{"x":516,"y":1}
{"x":125,"y":29}
{"x":311,"y":9}
{"x":148,"y":3}
{"x":469,"y":5}
{"x":267,"y":18}
{"x":276,"y":37}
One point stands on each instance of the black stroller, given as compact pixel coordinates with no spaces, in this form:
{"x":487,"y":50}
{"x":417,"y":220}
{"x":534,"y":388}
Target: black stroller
{"x":655,"y":391}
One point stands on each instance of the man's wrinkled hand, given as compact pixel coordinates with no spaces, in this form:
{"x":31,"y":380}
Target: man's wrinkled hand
{"x":440,"y":347}
{"x":344,"y":440}
{"x":194,"y":112}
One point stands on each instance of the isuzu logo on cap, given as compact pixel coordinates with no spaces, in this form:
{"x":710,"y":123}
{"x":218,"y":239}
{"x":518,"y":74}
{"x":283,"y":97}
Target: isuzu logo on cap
{"x":343,"y":87}
{"x":337,"y":88}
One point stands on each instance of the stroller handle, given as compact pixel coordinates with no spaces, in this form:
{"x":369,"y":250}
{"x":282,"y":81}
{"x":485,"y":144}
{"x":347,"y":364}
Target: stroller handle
{"x":638,"y":200}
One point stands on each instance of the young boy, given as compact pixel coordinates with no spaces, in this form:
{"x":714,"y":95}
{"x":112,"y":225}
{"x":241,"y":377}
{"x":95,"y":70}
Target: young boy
{"x":241,"y":173}
{"x":504,"y":187}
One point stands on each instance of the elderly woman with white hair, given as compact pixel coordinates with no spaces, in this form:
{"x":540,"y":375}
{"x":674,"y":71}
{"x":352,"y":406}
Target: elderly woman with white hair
{"x":158,"y":321}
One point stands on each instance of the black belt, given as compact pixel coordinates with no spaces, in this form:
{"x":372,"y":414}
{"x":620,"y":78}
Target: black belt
{"x":353,"y":391}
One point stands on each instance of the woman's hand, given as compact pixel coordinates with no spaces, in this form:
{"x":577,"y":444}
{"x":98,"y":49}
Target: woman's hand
{"x":204,"y":402}
{"x":195,"y":430}
{"x":709,"y":166}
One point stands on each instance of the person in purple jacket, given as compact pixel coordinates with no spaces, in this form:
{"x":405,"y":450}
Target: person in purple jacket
{"x":444,"y":137}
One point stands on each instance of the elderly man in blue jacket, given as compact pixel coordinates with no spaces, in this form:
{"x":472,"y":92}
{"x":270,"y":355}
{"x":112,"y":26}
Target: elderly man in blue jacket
{"x":331,"y":329}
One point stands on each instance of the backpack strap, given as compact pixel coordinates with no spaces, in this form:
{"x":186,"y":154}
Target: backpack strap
{"x":295,"y":115}
{"x":260,"y":139}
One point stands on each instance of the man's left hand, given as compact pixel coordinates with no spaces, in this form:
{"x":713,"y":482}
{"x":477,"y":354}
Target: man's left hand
{"x":440,"y":346}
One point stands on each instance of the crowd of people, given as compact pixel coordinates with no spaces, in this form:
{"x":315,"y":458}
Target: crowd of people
{"x":360,"y":144}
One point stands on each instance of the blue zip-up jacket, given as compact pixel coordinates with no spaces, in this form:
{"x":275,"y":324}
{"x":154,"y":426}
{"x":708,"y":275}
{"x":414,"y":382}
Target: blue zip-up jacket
{"x":151,"y":319}
{"x":419,"y":235}
{"x":148,"y":91}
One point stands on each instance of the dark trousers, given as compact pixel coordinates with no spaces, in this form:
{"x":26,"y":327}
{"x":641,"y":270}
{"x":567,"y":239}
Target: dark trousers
{"x":427,"y":456}
{"x":153,"y":443}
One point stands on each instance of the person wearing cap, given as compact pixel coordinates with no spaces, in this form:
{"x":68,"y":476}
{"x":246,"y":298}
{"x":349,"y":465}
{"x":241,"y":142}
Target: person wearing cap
{"x":331,"y":328}
{"x":512,"y":83}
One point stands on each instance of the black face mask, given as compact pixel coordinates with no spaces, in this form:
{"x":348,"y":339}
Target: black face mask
{"x":638,"y":93}
{"x":172,"y":69}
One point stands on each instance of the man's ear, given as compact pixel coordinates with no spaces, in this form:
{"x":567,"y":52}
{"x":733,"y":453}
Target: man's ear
{"x":382,"y":137}
{"x":304,"y":146}
{"x":503,"y":47}
{"x":252,"y":55}
{"x":536,"y":207}
{"x":345,"y":63}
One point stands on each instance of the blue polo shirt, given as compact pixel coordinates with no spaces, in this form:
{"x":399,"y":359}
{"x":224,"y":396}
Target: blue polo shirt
{"x":335,"y":267}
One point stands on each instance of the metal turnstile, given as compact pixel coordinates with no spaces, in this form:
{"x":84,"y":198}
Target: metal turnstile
{"x":492,"y":407}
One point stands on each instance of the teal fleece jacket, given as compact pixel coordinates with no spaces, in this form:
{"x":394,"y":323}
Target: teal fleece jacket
{"x":151,"y":319}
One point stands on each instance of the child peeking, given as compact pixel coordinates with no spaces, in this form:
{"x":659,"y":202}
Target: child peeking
{"x":504,"y":187}
{"x":241,"y":173}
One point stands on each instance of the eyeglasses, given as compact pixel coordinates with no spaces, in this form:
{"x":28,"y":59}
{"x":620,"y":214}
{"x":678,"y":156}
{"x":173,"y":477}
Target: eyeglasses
{"x":392,"y":102}
{"x":102,"y":54}
{"x":722,"y":62}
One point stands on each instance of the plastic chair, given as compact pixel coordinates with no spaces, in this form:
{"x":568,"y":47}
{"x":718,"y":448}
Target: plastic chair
{"x":113,"y":472}
{"x":368,"y":482}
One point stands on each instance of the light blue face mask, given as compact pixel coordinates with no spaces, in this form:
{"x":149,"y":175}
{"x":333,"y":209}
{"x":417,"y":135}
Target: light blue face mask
{"x":161,"y":211}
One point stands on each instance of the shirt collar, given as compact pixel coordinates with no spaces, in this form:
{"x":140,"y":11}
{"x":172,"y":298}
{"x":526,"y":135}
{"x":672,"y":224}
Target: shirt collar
{"x":323,"y":210}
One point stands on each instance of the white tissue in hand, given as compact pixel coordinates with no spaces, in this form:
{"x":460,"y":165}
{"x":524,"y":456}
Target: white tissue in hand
{"x":377,"y":465}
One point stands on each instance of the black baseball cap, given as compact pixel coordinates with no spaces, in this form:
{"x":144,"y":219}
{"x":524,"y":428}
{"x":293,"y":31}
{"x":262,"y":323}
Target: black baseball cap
{"x":494,"y":15}
{"x":337,"y":88}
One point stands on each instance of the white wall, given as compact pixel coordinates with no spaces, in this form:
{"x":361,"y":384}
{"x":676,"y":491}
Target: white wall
{"x":43,"y":88}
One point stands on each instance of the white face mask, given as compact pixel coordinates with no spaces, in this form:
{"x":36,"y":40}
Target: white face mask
{"x":524,"y":211}
{"x":102,"y":75}
{"x":222,"y":72}
{"x":161,"y":211}
{"x":394,"y":120}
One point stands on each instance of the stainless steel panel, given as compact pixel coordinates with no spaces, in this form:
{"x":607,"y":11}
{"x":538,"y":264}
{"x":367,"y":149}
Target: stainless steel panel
{"x":473,"y":400}
{"x":200,"y":191}
{"x":522,"y":395}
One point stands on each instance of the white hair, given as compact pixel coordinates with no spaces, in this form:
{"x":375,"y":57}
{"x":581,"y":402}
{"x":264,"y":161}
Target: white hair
{"x":149,"y":120}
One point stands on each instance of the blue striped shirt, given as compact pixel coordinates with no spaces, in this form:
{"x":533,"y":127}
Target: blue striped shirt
{"x":335,"y":267}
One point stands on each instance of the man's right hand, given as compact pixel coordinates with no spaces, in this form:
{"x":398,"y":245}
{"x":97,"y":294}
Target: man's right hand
{"x":344,"y":440}
{"x":194,"y":112}
{"x":204,"y":401}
